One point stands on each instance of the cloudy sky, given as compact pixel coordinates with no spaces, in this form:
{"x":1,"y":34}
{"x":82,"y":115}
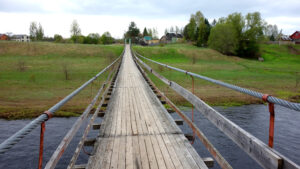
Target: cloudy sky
{"x":114,"y":16}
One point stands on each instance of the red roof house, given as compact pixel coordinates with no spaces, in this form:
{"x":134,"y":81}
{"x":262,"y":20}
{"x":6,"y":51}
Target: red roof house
{"x":3,"y":37}
{"x":296,"y":36}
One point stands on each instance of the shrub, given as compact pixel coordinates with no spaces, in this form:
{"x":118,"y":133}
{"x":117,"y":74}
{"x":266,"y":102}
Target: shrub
{"x":222,"y":38}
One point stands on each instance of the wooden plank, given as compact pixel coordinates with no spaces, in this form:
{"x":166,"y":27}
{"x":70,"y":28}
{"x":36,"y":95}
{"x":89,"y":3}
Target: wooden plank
{"x":96,"y":126}
{"x":80,"y":166}
{"x":89,"y":142}
{"x":209,"y":162}
{"x":259,"y":151}
{"x":178,"y":122}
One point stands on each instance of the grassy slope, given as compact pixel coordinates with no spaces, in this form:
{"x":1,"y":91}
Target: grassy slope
{"x":276,"y":75}
{"x":28,"y":93}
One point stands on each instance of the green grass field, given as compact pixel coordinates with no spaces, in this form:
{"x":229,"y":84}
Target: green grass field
{"x":278,"y":75}
{"x":33,"y":76}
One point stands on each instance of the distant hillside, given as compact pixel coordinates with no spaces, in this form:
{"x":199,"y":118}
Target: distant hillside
{"x":278,"y":75}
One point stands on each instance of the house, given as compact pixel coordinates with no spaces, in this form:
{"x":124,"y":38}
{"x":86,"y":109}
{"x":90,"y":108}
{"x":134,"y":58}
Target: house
{"x":296,"y":37}
{"x":171,"y":38}
{"x":20,"y":38}
{"x":4,"y":37}
{"x":285,"y":39}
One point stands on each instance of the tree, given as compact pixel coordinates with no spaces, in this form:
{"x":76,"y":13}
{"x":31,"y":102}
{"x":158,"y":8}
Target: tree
{"x":271,"y":32}
{"x":106,"y":38}
{"x":32,"y":30}
{"x":75,"y":29}
{"x":154,"y":33}
{"x":177,"y":30}
{"x":40,"y":32}
{"x":223,"y":38}
{"x":238,"y":23}
{"x":198,"y":18}
{"x":36,"y":32}
{"x":214,"y":22}
{"x":92,"y":38}
{"x":133,"y":32}
{"x":191,"y":29}
{"x":166,"y":31}
{"x":172,"y":29}
{"x":75,"y":32}
{"x":150,"y":32}
{"x":145,"y":32}
{"x":58,"y":38}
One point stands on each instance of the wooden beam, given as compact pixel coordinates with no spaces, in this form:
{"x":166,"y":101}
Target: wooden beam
{"x":179,"y":121}
{"x":265,"y":156}
{"x":101,"y":114}
{"x":80,"y":166}
{"x":190,"y":137}
{"x":209,"y":162}
{"x":170,"y":111}
{"x":89,"y":142}
{"x":96,"y":126}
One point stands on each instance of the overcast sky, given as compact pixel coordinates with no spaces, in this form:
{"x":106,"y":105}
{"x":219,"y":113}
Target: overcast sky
{"x":98,"y":16}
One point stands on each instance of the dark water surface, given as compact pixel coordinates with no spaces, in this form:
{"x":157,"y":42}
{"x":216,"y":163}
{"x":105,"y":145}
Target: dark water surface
{"x":252,"y":118}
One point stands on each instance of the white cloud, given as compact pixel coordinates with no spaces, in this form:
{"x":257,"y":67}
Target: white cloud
{"x":60,"y":23}
{"x":115,"y":15}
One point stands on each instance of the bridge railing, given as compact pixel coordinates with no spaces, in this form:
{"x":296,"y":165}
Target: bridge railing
{"x":18,"y":136}
{"x":260,"y":152}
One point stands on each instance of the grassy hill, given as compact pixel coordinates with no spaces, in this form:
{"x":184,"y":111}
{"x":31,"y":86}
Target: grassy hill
{"x":278,"y":75}
{"x":33,"y":75}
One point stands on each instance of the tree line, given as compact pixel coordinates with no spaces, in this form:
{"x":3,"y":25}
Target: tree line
{"x":232,"y":35}
{"x":36,"y":32}
{"x":135,"y":34}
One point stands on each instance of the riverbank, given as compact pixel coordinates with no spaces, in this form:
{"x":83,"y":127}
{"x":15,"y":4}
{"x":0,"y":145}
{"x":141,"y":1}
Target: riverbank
{"x":278,"y":74}
{"x":34,"y":76}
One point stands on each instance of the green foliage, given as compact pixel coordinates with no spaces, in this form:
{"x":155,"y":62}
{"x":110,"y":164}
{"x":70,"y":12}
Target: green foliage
{"x":133,"y":32}
{"x":198,"y":29}
{"x":58,"y":38}
{"x":36,"y":32}
{"x":92,"y":38}
{"x":145,"y":32}
{"x":223,"y":38}
{"x":247,"y":34}
{"x":106,"y":38}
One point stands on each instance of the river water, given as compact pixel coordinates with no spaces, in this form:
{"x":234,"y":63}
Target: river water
{"x":252,"y":118}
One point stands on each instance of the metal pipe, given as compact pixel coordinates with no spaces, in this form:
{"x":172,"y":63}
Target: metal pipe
{"x":270,"y":99}
{"x":14,"y":139}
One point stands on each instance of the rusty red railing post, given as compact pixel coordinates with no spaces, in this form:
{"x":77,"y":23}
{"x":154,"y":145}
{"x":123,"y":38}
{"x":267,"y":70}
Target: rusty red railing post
{"x":272,"y":119}
{"x":41,"y":145}
{"x":43,"y":128}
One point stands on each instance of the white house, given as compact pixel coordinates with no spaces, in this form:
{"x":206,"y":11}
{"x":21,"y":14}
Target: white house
{"x":20,"y":38}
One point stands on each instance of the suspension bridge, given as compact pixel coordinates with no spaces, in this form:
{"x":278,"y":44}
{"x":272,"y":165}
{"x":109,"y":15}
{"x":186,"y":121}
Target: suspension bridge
{"x":138,"y":132}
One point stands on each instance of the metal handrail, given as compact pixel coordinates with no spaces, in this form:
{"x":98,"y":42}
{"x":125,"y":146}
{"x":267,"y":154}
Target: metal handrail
{"x":18,"y":136}
{"x":270,"y":99}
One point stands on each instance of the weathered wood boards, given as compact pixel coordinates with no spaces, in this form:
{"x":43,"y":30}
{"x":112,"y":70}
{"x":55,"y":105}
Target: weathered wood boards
{"x":137,"y":131}
{"x":259,"y":151}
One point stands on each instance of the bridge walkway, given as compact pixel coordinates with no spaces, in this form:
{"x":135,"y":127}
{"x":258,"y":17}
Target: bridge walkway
{"x":137,"y":131}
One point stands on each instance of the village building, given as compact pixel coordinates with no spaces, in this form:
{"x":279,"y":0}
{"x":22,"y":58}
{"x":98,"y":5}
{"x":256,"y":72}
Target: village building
{"x":295,"y":37}
{"x":284,"y":40}
{"x":20,"y":38}
{"x":171,"y":38}
{"x":4,"y":37}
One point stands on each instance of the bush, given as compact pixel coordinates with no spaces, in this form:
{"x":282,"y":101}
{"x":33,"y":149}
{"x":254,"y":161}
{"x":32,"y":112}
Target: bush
{"x":223,"y":39}
{"x":58,"y":38}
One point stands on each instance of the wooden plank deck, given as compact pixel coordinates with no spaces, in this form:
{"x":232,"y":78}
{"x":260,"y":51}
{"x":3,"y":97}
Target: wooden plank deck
{"x":137,"y":131}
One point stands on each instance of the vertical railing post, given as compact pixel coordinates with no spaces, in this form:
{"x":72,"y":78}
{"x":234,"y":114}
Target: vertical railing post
{"x":41,"y":145}
{"x":272,"y":119}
